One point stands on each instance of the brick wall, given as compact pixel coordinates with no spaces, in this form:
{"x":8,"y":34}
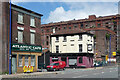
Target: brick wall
{"x":92,"y":22}
{"x":4,"y":31}
{"x":26,"y":26}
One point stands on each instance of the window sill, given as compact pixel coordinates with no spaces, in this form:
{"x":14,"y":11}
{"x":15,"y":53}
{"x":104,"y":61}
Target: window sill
{"x":56,"y":41}
{"x":20,"y":23}
{"x":32,"y":26}
{"x":71,"y":40}
{"x":80,"y":40}
{"x":64,"y":41}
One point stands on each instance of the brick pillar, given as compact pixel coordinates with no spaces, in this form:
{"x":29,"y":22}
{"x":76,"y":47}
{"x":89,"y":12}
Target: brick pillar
{"x":67,"y":65}
{"x":78,"y":60}
{"x":50,"y":60}
{"x":59,"y":58}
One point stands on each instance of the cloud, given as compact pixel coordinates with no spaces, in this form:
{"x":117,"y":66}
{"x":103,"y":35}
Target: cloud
{"x":82,"y":10}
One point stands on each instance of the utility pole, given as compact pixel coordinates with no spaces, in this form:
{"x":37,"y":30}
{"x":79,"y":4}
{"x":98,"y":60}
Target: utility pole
{"x":110,"y":48}
{"x":44,"y":47}
{"x":10,"y":56}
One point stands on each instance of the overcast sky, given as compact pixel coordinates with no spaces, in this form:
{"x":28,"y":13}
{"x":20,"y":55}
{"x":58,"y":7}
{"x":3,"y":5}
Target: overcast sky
{"x":55,"y":11}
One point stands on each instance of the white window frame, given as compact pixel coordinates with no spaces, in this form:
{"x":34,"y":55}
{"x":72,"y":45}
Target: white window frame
{"x":20,"y":18}
{"x":20,"y":61}
{"x":32,"y":21}
{"x":20,"y":36}
{"x":26,"y":60}
{"x":32,"y":38}
{"x":33,"y":60}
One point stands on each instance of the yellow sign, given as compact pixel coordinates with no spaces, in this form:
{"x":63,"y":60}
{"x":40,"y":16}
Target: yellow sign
{"x":96,"y":53}
{"x":106,"y":57}
{"x":114,"y":53}
{"x":28,"y":68}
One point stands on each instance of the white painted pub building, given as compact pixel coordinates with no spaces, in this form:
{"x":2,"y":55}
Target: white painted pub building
{"x":76,"y":48}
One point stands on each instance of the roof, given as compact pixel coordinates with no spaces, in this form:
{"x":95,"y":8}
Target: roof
{"x":26,"y":10}
{"x":70,"y":32}
{"x":112,"y":32}
{"x":81,"y":20}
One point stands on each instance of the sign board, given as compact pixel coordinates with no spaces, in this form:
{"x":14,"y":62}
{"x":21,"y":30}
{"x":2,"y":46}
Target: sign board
{"x":24,"y":47}
{"x":28,"y":68}
{"x":111,"y":60}
{"x":114,"y":53}
{"x":89,"y":47}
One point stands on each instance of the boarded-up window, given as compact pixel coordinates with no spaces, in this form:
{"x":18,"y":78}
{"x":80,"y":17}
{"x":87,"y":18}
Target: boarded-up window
{"x":32,"y":21}
{"x":20,"y":36}
{"x":32,"y":38}
{"x":20,"y":18}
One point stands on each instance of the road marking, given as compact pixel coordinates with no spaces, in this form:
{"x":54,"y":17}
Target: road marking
{"x":96,"y":73}
{"x":62,"y":73}
{"x":110,"y":71}
{"x":79,"y":76}
{"x":103,"y":72}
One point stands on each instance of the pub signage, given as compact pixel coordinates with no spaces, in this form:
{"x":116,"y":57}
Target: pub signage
{"x":23,"y":47}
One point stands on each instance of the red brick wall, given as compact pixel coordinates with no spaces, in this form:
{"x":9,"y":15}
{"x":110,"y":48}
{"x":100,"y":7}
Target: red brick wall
{"x":4,"y":36}
{"x":100,"y":34}
{"x":26,"y":26}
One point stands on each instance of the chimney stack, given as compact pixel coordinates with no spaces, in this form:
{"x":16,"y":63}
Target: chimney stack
{"x":91,"y":17}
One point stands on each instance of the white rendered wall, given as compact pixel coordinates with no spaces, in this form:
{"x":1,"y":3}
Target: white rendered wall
{"x":65,"y":47}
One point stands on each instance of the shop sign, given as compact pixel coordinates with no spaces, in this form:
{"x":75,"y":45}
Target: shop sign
{"x":23,"y":47}
{"x":114,"y":53}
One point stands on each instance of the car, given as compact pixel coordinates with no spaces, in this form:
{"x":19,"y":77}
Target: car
{"x":57,"y":65}
{"x":97,"y":64}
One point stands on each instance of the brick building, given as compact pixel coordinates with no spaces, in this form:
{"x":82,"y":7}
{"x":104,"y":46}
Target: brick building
{"x":100,"y":26}
{"x":26,"y":40}
{"x":4,"y":36}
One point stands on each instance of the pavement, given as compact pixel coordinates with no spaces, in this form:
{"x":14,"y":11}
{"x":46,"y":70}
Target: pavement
{"x":27,"y":75}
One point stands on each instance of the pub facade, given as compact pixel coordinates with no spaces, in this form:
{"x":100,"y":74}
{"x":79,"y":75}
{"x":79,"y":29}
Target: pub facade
{"x":75,"y":48}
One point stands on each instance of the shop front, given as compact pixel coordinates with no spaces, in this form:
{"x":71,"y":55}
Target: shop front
{"x":74,"y":59}
{"x":25,"y":55}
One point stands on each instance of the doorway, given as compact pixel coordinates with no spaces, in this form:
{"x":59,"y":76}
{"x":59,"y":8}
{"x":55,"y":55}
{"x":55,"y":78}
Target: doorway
{"x":14,"y":64}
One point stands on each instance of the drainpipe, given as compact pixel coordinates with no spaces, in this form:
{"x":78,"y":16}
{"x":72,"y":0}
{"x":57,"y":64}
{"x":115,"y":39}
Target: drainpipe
{"x":10,"y":42}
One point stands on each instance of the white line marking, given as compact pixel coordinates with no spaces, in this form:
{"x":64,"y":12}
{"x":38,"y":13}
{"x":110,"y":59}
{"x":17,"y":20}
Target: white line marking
{"x":96,"y":73}
{"x":79,"y":76}
{"x":103,"y":72}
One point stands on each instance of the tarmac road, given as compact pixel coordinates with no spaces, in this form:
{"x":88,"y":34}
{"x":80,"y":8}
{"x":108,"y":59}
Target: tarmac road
{"x":105,"y":72}
{"x":101,"y":72}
